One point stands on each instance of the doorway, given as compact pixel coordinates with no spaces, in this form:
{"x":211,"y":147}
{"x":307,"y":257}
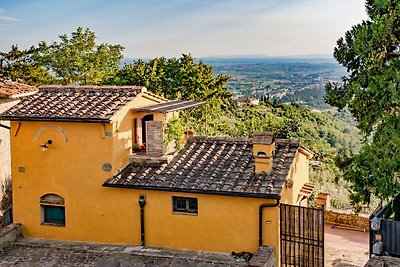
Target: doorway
{"x":149,"y":117}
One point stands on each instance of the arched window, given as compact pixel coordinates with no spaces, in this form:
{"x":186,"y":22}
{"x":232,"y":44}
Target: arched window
{"x":52,"y":210}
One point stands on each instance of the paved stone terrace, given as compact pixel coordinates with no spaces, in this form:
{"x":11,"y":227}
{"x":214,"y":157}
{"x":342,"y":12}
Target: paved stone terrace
{"x":46,"y":253}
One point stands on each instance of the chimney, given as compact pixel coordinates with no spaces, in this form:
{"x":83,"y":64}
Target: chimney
{"x":263,"y":151}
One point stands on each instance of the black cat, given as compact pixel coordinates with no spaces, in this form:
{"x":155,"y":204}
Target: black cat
{"x":244,"y":255}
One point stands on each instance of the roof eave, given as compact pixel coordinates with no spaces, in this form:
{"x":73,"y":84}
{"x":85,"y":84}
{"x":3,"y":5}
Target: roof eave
{"x":306,"y":152}
{"x":16,"y":96}
{"x":88,"y":120}
{"x":195,"y":191}
{"x":172,"y":108}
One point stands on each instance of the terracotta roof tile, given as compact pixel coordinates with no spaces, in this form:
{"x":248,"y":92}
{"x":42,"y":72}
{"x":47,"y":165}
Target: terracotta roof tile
{"x":10,"y":89}
{"x":213,"y":166}
{"x":73,"y":103}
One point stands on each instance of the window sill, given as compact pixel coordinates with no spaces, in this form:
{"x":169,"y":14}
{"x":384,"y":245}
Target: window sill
{"x":184,"y":213}
{"x":53,"y":224}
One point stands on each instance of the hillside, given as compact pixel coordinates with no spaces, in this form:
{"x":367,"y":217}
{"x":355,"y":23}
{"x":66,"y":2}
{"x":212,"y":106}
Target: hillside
{"x":299,"y":80}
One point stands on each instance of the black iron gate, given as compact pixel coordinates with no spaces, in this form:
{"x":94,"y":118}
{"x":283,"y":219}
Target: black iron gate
{"x":302,"y":236}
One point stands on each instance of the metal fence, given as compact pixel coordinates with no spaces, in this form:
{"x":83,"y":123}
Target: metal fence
{"x":302,"y":236}
{"x":388,"y":232}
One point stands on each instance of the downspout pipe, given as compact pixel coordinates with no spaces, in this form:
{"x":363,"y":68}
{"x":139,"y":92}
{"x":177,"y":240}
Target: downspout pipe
{"x":260,"y":220}
{"x":142,"y":203}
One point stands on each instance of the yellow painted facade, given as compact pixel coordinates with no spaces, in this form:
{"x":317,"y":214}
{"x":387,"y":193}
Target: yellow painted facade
{"x":74,"y":167}
{"x":298,"y":173}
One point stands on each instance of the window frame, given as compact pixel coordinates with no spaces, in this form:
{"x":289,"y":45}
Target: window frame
{"x":47,"y":202}
{"x":188,"y":202}
{"x":46,"y":221}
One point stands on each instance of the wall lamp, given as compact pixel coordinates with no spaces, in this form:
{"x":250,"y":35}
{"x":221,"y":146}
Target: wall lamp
{"x":45,"y":147}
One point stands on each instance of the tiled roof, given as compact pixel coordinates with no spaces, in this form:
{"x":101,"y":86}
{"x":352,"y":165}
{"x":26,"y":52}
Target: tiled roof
{"x":10,"y":89}
{"x":73,"y":103}
{"x":213,"y":166}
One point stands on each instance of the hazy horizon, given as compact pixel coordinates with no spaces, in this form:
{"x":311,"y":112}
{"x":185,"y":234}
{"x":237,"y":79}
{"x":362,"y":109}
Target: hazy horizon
{"x":204,"y":28}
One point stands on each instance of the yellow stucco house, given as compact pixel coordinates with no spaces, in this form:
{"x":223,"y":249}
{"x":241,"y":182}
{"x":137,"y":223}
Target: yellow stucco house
{"x":75,"y":178}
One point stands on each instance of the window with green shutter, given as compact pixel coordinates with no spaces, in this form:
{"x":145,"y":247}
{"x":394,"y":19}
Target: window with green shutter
{"x":52,"y":210}
{"x":54,"y":214}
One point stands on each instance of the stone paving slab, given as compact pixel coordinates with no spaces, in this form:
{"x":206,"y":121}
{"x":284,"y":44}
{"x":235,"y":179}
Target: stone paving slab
{"x":34,"y":252}
{"x":383,"y":261}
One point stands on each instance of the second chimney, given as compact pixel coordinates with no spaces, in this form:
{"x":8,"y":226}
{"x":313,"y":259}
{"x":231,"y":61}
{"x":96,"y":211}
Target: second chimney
{"x":263,"y":151}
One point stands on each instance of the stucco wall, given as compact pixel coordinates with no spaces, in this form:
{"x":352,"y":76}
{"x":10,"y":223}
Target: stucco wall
{"x":5,"y":157}
{"x":299,"y":174}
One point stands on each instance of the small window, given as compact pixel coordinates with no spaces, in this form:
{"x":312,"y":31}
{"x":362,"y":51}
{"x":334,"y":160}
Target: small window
{"x":54,"y":214}
{"x":52,"y":210}
{"x":184,"y":205}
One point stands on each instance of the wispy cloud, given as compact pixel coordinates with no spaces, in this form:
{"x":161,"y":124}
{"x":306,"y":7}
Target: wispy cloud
{"x":4,"y":17}
{"x":203,"y":27}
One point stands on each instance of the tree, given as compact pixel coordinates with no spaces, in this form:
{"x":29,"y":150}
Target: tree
{"x":24,"y":65}
{"x":183,"y":78}
{"x":72,"y":60}
{"x":371,"y":91}
{"x":176,"y":78}
{"x":77,"y":59}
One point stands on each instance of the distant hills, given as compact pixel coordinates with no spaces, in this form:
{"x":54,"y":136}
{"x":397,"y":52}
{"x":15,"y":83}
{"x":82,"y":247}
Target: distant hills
{"x":265,"y":60}
{"x":254,"y":59}
{"x":290,"y":79}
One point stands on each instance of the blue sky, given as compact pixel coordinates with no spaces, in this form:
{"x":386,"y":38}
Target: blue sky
{"x":151,"y":28}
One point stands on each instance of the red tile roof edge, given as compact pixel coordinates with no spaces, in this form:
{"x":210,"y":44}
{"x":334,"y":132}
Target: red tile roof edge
{"x":92,"y":87}
{"x":11,"y":89}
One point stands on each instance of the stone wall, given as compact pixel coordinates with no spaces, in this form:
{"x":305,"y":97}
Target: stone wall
{"x":340,"y":217}
{"x":347,"y":219}
{"x":264,"y":257}
{"x":9,"y":234}
{"x":154,"y":137}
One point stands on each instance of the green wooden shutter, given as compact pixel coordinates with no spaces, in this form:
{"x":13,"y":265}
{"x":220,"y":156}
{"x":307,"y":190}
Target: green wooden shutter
{"x":54,"y":214}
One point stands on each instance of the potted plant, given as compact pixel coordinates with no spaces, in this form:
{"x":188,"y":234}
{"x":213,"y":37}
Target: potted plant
{"x":138,"y":148}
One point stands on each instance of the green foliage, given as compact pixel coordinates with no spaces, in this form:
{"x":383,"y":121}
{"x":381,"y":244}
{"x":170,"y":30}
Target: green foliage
{"x":72,"y":60}
{"x":77,"y":59}
{"x":24,"y":65}
{"x":176,"y":78}
{"x":323,"y":134}
{"x":370,"y":52}
{"x":174,"y":131}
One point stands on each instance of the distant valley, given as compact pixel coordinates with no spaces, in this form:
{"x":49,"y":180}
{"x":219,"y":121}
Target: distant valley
{"x":299,"y":80}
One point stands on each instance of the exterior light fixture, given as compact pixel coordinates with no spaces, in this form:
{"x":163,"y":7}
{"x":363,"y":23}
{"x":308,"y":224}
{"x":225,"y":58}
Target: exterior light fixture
{"x":142,"y":201}
{"x":45,"y":146}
